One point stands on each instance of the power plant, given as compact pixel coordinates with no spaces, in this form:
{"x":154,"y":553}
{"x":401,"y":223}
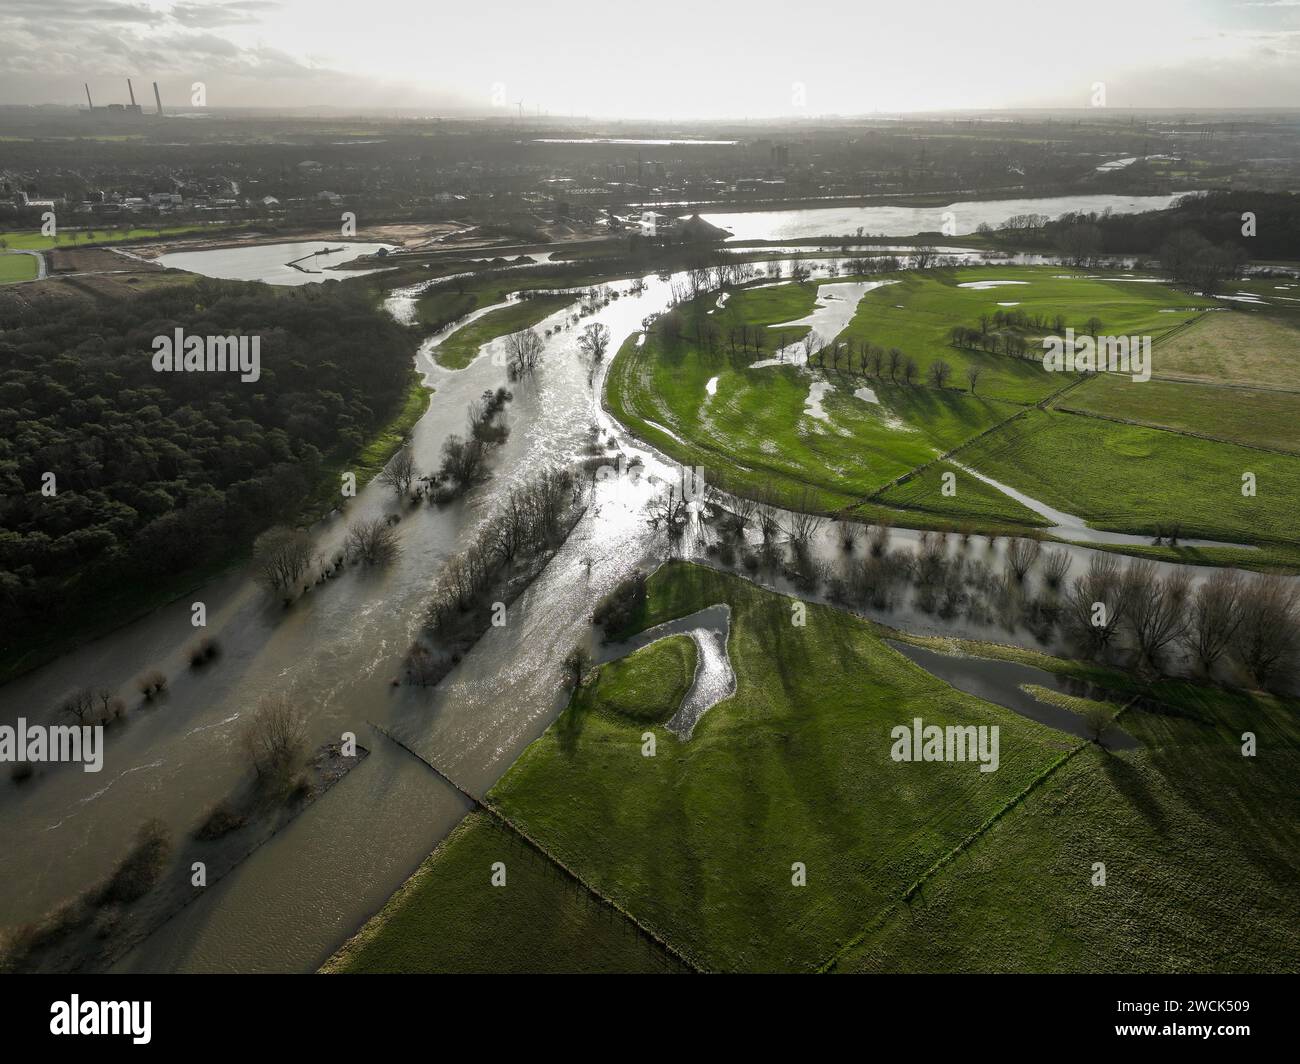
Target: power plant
{"x":122,"y":111}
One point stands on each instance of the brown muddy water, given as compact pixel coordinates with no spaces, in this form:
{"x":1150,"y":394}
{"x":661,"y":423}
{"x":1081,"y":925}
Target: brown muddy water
{"x":299,"y":896}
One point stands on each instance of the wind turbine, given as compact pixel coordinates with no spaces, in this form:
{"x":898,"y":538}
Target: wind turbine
{"x":520,"y":105}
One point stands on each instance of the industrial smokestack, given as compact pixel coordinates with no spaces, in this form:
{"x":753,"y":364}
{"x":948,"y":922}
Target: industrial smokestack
{"x":131,"y":91}
{"x":89,"y":102}
{"x":157,"y":97}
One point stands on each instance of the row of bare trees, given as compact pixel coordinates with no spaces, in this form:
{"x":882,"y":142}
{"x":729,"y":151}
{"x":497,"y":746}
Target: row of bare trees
{"x":530,"y":519}
{"x":1252,"y":619}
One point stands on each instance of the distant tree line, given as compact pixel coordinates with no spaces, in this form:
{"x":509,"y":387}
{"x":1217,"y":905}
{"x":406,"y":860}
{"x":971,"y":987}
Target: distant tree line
{"x":1216,"y":217}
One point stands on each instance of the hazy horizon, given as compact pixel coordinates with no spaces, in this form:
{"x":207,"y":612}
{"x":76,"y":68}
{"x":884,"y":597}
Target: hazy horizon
{"x":690,"y":63}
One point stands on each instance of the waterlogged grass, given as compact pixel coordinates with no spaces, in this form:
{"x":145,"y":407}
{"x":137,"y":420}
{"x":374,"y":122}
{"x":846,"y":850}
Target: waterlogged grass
{"x":917,"y":314}
{"x":1199,"y":845}
{"x":758,"y":428}
{"x":698,"y":842}
{"x":1251,"y":416}
{"x":1133,"y":479}
{"x":448,"y":917}
{"x":460,"y":348}
{"x":972,"y":501}
{"x":648,"y":685}
{"x":17,"y":268}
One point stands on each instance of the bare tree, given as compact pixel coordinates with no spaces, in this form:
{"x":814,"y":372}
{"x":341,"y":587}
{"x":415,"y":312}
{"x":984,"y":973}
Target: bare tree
{"x":894,"y":359}
{"x":742,"y":510}
{"x":1097,"y":720}
{"x":594,"y":341}
{"x":1056,"y":564}
{"x":850,"y":532}
{"x":1022,"y":552}
{"x":910,"y":371}
{"x":79,"y":705}
{"x":462,"y":459}
{"x":273,"y":736}
{"x":1096,"y":603}
{"x":811,"y":343}
{"x":940,"y":372}
{"x":973,"y":377}
{"x":524,"y":350}
{"x":373,"y":542}
{"x":1265,"y":640}
{"x":576,"y":665}
{"x":400,"y":471}
{"x":1157,"y":609}
{"x":804,"y":524}
{"x":281,"y":556}
{"x":1214,"y":616}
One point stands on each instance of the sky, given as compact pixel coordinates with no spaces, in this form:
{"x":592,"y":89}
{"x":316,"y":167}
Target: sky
{"x":673,"y":60}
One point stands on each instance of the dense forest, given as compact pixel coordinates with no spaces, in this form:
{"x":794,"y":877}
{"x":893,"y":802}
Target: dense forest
{"x":158,"y":473}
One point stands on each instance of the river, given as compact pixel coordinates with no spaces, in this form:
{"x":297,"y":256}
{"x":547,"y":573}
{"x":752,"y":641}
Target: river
{"x":966,"y":216}
{"x":299,"y":896}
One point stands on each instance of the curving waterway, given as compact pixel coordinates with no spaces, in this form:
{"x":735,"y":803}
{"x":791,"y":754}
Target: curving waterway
{"x":305,"y":891}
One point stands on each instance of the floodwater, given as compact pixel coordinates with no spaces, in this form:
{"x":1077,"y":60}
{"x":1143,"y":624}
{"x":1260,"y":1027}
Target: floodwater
{"x":714,"y":680}
{"x":270,"y":262}
{"x":1071,"y":526}
{"x":967,"y":216}
{"x":1003,"y":682}
{"x":299,"y":896}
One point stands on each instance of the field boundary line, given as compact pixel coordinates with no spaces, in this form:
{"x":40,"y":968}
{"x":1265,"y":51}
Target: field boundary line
{"x":1024,"y":412}
{"x":502,"y":818}
{"x":946,"y":859}
{"x":1177,"y":432}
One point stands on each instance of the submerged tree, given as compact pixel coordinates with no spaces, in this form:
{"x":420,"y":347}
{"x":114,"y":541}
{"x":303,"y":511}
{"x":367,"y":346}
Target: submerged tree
{"x":400,"y":471}
{"x":281,"y":556}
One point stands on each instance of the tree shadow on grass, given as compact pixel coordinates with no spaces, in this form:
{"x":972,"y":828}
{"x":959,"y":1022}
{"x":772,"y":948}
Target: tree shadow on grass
{"x":1127,"y":780}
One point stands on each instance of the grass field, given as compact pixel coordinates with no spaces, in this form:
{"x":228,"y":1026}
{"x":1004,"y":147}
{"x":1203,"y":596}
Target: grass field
{"x":759,"y":428}
{"x":1253,"y":346}
{"x":698,"y":842}
{"x":449,"y":918}
{"x":1195,"y":838}
{"x":32,"y":240}
{"x":458,"y":350}
{"x":1129,"y":479}
{"x":917,"y":313}
{"x":1251,"y":416}
{"x":648,"y":685}
{"x":17,"y":268}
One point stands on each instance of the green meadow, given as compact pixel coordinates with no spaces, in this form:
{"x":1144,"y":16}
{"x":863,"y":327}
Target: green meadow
{"x":759,"y":428}
{"x":1125,"y":478}
{"x":1198,"y":844}
{"x":448,"y":917}
{"x":909,"y":866}
{"x":33,"y":240}
{"x":699,"y":841}
{"x":460,"y":348}
{"x":17,"y":268}
{"x":1253,"y":417}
